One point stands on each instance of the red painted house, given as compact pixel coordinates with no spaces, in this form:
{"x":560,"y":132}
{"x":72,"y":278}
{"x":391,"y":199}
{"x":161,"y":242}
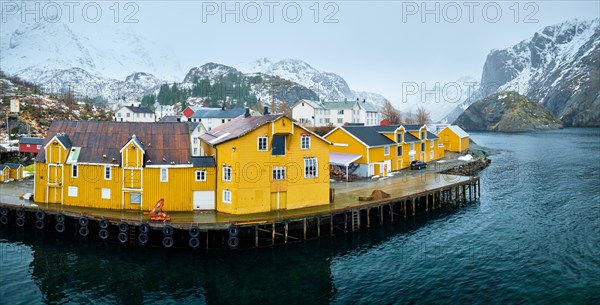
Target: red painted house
{"x":188,"y":112}
{"x":30,"y":145}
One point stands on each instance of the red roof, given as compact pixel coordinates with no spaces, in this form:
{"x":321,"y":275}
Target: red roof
{"x":385,"y":122}
{"x":188,"y":112}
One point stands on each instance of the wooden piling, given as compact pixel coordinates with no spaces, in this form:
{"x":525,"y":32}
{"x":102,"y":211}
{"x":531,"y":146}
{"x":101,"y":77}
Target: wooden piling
{"x":286,"y":233}
{"x":304,"y":228}
{"x":255,"y":236}
{"x":318,"y":226}
{"x":273,"y":233}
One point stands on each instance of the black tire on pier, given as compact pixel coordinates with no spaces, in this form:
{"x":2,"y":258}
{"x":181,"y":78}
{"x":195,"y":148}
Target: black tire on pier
{"x":104,"y":224}
{"x":3,"y":219}
{"x":60,"y":227}
{"x":60,"y":217}
{"x":103,"y":234}
{"x":233,"y":230}
{"x":167,"y":230}
{"x":123,"y":227}
{"x":84,"y":231}
{"x":143,"y":238}
{"x":122,"y":237}
{"x":20,"y":213}
{"x":20,"y":221}
{"x":40,"y":224}
{"x":168,"y":242}
{"x":194,"y":242}
{"x":3,"y":211}
{"x":233,"y":242}
{"x":194,"y":231}
{"x":145,"y":228}
{"x":40,"y":215}
{"x":83,"y":221}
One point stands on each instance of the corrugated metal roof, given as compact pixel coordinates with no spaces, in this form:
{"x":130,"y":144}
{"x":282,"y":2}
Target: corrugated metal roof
{"x":458,"y":131}
{"x":338,"y":105}
{"x":237,"y":128}
{"x":369,"y":135}
{"x":101,"y":142}
{"x":169,"y":118}
{"x":369,"y":106}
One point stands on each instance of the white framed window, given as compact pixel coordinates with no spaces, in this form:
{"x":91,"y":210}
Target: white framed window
{"x":135,"y":198}
{"x":107,"y":172}
{"x":305,"y":141}
{"x":310,"y":167}
{"x":431,"y":154}
{"x":341,"y":111}
{"x":200,"y":175}
{"x":105,"y":193}
{"x":72,"y":191}
{"x":164,"y":174}
{"x":340,"y":121}
{"x":226,"y":196}
{"x":423,"y":147}
{"x":431,"y":144}
{"x":74,"y":171}
{"x":195,"y":151}
{"x":128,"y":114}
{"x":262,"y":144}
{"x":278,"y":172}
{"x":399,"y":151}
{"x":226,"y":173}
{"x":386,"y":150}
{"x":412,"y":158}
{"x":412,"y":146}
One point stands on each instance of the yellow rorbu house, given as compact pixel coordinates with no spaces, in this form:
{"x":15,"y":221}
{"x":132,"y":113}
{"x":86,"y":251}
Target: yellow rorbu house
{"x":267,"y":163}
{"x":4,"y":173}
{"x":119,"y":165}
{"x":377,"y":150}
{"x":454,"y":138}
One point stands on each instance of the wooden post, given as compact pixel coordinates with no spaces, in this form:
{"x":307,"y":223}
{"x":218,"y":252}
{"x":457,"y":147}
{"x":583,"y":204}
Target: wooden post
{"x":427,"y":202}
{"x":478,"y":187}
{"x":273,"y":234}
{"x":286,"y":232}
{"x":391,"y":212}
{"x":464,"y":192}
{"x":368,"y":217}
{"x":404,"y":202}
{"x":381,"y":214}
{"x":318,"y":226}
{"x":331,"y":224}
{"x":345,"y":222}
{"x":256,"y":236}
{"x":304,"y":228}
{"x":413,"y":205}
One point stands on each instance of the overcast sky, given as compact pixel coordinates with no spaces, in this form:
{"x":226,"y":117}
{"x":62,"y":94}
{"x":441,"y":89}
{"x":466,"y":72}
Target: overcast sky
{"x":374,"y":45}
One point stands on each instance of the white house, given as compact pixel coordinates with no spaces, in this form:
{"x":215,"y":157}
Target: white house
{"x":161,"y":111}
{"x":196,"y":130}
{"x":134,"y":114}
{"x":316,"y":113}
{"x":212,"y":117}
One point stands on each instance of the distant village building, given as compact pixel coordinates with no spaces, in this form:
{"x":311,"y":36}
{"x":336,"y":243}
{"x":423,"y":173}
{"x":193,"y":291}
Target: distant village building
{"x":30,"y":145}
{"x":14,"y":170}
{"x":213,"y":117}
{"x":134,"y":114}
{"x":161,"y":111}
{"x":336,"y":113}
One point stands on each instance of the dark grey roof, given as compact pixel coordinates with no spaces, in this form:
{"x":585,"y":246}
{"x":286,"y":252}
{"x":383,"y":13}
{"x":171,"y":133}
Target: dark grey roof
{"x":237,"y":128}
{"x":137,"y":141}
{"x":169,"y":119}
{"x":432,"y":136}
{"x":410,"y":138}
{"x":64,"y":139}
{"x":2,"y":167}
{"x":412,"y":127}
{"x":369,"y":135}
{"x":139,"y":109}
{"x":35,"y":141}
{"x":217,"y":113}
{"x":13,"y":165}
{"x":203,"y":161}
{"x":192,"y":125}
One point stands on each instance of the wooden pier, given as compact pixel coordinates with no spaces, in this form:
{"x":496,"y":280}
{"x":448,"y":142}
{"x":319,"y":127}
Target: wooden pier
{"x":408,"y":197}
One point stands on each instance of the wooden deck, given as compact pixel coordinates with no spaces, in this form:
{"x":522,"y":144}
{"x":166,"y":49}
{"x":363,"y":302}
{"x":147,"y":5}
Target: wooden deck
{"x":346,"y":198}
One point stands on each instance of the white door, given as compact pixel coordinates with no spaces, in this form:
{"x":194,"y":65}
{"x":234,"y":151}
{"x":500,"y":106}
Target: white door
{"x":204,"y":200}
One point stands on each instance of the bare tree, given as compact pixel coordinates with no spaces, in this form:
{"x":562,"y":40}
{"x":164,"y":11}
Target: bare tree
{"x":422,"y":116}
{"x":408,"y":118}
{"x":390,"y":113}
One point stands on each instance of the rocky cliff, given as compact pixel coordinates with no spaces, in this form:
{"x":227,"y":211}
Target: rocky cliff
{"x":507,"y":112}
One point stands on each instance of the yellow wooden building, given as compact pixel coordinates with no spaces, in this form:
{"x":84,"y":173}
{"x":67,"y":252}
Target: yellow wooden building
{"x":15,"y":170}
{"x":377,"y":150}
{"x":267,"y":163}
{"x":4,"y":173}
{"x":454,"y":138}
{"x":120,"y":165}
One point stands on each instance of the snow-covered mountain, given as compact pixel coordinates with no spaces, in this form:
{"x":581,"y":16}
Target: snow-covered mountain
{"x":329,"y":86}
{"x":107,"y":61}
{"x":558,"y":67}
{"x":264,"y":86}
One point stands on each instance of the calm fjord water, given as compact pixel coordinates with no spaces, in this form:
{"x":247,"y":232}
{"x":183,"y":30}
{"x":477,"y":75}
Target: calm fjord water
{"x":533,"y":237}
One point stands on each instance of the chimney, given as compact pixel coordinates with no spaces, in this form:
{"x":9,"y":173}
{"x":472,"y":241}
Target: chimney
{"x":266,"y":110}
{"x":247,"y":113}
{"x":364,"y":100}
